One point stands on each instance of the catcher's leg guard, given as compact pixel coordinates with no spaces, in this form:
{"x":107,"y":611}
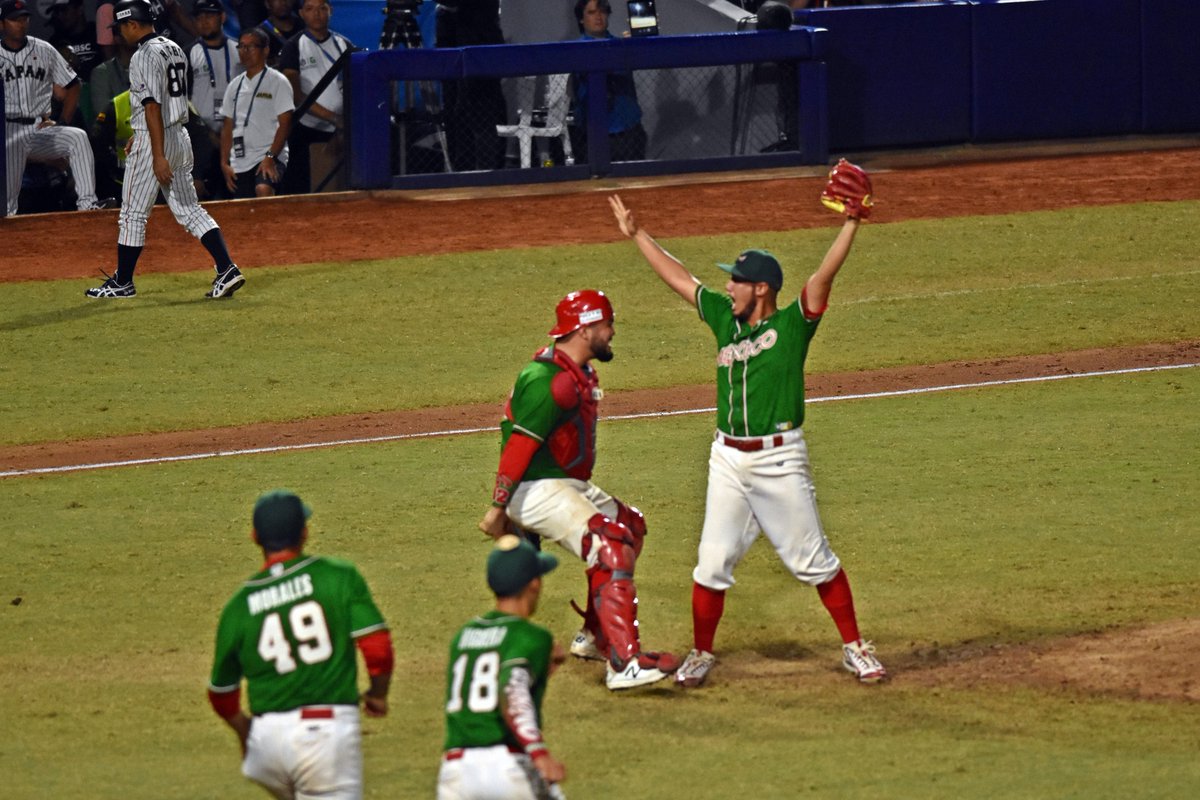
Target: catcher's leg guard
{"x":615,"y":597}
{"x":632,"y":519}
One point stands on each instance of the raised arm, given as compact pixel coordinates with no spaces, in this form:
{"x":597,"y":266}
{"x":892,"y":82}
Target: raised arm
{"x":816,"y":290}
{"x":669,"y":268}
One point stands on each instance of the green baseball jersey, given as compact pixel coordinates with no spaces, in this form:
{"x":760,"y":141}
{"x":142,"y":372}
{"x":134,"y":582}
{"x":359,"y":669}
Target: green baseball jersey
{"x":489,"y":657}
{"x":760,"y":368}
{"x":567,"y":435}
{"x":290,"y":632}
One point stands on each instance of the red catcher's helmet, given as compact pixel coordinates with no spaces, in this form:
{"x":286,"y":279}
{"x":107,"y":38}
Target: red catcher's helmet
{"x":586,"y":307}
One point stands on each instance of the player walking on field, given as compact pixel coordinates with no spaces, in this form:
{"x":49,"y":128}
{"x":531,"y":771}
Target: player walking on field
{"x":500,"y":663}
{"x":291,"y":632}
{"x":160,"y":155}
{"x":544,"y":485}
{"x":759,"y":477}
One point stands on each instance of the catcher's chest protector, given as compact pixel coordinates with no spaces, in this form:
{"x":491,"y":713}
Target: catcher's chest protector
{"x":577,"y":392}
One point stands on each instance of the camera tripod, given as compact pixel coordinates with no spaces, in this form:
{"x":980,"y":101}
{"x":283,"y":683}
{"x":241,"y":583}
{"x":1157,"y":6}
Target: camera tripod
{"x":400,"y":28}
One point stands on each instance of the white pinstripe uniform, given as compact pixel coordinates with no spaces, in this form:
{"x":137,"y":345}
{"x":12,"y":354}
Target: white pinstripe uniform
{"x":158,"y":72}
{"x":29,"y":75}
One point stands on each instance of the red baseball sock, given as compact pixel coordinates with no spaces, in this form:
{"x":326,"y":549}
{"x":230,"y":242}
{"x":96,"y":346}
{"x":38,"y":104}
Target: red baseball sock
{"x":707,"y":607}
{"x":839,"y":602}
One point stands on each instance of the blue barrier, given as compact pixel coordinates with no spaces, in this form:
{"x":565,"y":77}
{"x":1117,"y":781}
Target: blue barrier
{"x":1170,"y":64}
{"x":899,"y":75}
{"x":372,"y":74}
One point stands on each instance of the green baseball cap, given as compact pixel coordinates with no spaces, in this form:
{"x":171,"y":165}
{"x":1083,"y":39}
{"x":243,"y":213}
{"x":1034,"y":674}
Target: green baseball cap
{"x":279,"y":519}
{"x":513,"y":563}
{"x":757,"y":266}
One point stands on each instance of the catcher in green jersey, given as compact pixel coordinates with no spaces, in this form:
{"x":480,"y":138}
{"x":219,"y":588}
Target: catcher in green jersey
{"x":759,"y":477}
{"x":290,"y":632}
{"x":544,"y":486}
{"x":500,"y":663}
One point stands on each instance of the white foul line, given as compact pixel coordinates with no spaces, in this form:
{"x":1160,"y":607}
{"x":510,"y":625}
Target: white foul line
{"x":462,"y":431}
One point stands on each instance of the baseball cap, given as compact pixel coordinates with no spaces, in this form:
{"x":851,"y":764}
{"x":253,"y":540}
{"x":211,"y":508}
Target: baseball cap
{"x":279,"y":518}
{"x":12,"y":9}
{"x":207,"y":7}
{"x":757,"y":266}
{"x":513,"y":563}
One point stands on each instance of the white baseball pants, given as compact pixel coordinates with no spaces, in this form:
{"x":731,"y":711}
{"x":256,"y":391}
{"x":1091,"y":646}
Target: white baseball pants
{"x":558,"y":509}
{"x":141,"y":187}
{"x":31,"y":143}
{"x":771,"y":491}
{"x":491,"y":773}
{"x":307,"y":753}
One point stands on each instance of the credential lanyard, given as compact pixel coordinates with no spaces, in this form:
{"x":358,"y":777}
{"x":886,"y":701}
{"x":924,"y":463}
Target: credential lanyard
{"x":212,"y":78}
{"x":238,"y":93}
{"x":325,"y":53}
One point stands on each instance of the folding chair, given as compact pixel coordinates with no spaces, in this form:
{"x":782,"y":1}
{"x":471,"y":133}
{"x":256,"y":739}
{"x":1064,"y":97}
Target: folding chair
{"x":531,"y":123}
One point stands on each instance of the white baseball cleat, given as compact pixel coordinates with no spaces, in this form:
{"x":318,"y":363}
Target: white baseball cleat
{"x":640,"y":671}
{"x":695,"y":668}
{"x":584,"y":646}
{"x":859,"y":658}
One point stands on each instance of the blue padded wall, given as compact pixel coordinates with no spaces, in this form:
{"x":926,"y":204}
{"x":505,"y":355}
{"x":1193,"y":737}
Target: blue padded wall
{"x":1171,"y":64}
{"x":1067,"y":68}
{"x":898,"y":75}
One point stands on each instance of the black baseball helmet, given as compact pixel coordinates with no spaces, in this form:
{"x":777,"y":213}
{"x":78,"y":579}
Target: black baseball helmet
{"x":131,"y":10}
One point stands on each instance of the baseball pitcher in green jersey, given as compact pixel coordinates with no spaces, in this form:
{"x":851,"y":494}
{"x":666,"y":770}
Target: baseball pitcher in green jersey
{"x":543,"y":485}
{"x":500,"y":663}
{"x":759,"y":478}
{"x":290,"y":632}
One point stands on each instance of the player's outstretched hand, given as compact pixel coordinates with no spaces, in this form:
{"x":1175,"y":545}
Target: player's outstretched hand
{"x":162,"y":170}
{"x":624,"y":216}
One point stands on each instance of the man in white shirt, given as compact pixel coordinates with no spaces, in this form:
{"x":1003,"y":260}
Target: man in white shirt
{"x":212,"y":64}
{"x":305,"y":60}
{"x":258,"y":113}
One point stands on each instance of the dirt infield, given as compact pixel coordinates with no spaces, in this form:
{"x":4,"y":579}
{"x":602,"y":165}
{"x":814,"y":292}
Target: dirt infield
{"x":1155,"y":663}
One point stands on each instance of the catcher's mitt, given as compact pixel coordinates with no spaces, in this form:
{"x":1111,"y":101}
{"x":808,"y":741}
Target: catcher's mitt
{"x":848,"y":190}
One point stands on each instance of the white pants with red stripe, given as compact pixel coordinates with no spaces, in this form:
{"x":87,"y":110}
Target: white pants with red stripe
{"x":492,"y":773}
{"x":769,"y":491}
{"x":26,"y":142}
{"x":307,"y":753}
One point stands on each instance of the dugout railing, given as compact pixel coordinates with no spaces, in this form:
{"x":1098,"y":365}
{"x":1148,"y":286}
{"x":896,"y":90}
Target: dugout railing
{"x":711,"y":102}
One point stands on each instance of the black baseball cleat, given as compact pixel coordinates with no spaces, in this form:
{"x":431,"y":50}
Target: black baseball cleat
{"x":111,"y":288}
{"x":226,"y":283}
{"x":108,"y":202}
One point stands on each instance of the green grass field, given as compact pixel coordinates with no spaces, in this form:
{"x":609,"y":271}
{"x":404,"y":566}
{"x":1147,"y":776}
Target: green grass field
{"x":996,"y":515}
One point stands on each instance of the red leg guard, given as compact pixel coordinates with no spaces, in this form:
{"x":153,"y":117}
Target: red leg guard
{"x":614,"y":591}
{"x":707,"y":607}
{"x":632,"y":519}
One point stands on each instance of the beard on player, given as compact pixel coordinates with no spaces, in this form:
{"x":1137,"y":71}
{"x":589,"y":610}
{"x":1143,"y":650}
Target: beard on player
{"x":602,"y":352}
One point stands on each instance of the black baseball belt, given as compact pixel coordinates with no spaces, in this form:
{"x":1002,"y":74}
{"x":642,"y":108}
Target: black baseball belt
{"x":22,"y":120}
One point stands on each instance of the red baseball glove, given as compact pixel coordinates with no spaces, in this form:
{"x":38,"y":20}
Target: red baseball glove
{"x":848,"y":190}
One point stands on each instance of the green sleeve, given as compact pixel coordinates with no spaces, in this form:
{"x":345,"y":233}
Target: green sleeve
{"x":227,"y":666}
{"x":364,"y":614}
{"x":715,"y":309}
{"x":534,"y":411}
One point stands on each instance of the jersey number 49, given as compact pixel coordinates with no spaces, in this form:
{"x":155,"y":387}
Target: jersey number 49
{"x":308,"y":628}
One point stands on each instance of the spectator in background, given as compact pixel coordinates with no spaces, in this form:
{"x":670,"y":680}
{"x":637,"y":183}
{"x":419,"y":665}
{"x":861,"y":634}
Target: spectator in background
{"x":305,"y":60}
{"x":258,"y":113}
{"x":475,"y":106}
{"x":74,"y":37}
{"x":167,"y":13}
{"x":248,"y":12}
{"x":212,"y":64}
{"x":110,"y":78}
{"x":281,"y":25}
{"x":111,"y":131}
{"x":626,"y":136}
